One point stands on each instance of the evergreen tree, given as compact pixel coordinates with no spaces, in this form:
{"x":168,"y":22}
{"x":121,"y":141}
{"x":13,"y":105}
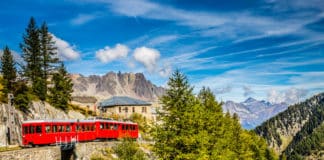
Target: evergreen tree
{"x":22,"y":96}
{"x":49,"y":57}
{"x":213,"y":124}
{"x":196,"y":128}
{"x":31,"y":48}
{"x":173,"y":136}
{"x":60,"y":94}
{"x":8,"y":70}
{"x":2,"y":95}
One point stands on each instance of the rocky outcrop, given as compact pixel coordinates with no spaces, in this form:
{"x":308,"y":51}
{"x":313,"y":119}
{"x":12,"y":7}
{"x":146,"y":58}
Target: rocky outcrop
{"x":115,"y":84}
{"x":11,"y":119}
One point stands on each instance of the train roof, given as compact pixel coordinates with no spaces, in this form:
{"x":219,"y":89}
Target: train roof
{"x":75,"y":121}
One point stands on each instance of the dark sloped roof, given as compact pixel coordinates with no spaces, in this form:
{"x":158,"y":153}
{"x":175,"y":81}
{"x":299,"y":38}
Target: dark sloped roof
{"x":122,"y":101}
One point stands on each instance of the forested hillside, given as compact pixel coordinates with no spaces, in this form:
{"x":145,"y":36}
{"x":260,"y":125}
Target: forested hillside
{"x":195,"y":127}
{"x":297,"y":132}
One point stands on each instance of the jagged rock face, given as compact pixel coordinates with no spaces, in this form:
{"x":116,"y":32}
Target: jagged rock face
{"x":253,"y":112}
{"x":116,"y":84}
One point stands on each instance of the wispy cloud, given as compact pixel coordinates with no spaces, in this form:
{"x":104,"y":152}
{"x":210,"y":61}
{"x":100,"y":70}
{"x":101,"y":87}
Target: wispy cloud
{"x":289,"y":96}
{"x":247,"y":91}
{"x":83,"y":18}
{"x":162,"y":39}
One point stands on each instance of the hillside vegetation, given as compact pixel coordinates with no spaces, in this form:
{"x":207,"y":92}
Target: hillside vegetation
{"x":297,"y":132}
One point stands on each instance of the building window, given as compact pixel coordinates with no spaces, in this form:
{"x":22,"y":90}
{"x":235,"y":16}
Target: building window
{"x":126,"y":109}
{"x":143,"y":109}
{"x":133,"y":109}
{"x":119,"y":109}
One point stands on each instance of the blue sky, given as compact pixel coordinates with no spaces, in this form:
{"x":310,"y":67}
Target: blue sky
{"x":267,"y":49}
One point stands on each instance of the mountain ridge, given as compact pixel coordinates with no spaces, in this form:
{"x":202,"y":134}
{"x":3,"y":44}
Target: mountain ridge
{"x":115,"y":84}
{"x":253,"y":112}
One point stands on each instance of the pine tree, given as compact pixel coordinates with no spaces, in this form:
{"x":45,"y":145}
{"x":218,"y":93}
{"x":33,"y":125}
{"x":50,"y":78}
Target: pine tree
{"x":49,"y":57}
{"x":213,"y":123}
{"x":173,"y":138}
{"x":196,"y":128}
{"x":60,"y":94}
{"x":31,"y":48}
{"x":8,"y":71}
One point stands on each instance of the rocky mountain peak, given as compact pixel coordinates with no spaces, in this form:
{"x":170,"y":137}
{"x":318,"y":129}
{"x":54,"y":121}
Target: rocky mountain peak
{"x":116,"y":84}
{"x":250,"y":100}
{"x":253,"y":112}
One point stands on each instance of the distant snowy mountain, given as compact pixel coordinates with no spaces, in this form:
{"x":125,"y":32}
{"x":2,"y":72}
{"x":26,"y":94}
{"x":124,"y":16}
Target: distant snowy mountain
{"x":253,"y":112}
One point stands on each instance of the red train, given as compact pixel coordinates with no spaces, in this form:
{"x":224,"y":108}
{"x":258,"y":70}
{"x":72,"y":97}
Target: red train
{"x":45,"y":132}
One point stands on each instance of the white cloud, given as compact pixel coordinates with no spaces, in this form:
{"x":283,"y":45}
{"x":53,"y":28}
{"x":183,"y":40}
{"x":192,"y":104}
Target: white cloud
{"x":148,"y":57}
{"x":65,"y":50}
{"x":108,"y":54}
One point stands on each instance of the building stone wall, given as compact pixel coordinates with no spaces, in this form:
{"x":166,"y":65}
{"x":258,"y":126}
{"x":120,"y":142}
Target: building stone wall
{"x":40,"y":153}
{"x":83,"y":151}
{"x":149,"y":111}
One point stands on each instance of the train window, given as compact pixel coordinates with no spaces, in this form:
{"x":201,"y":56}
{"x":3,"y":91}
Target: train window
{"x":25,"y":130}
{"x":62,"y":128}
{"x":83,"y":128}
{"x":47,"y":129}
{"x":78,"y":128}
{"x":68,"y":128}
{"x":93,"y":127}
{"x":38,"y":129}
{"x":101,"y":125}
{"x":32,"y":130}
{"x":55,"y":128}
{"x":88,"y":128}
{"x":115,"y":126}
{"x":112,"y":127}
{"x":123,"y":127}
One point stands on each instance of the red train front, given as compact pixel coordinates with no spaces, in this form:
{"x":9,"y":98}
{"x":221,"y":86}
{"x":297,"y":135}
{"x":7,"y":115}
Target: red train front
{"x":44,"y":132}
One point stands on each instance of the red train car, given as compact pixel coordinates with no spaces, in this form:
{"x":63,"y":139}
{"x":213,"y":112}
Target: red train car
{"x":44,"y":132}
